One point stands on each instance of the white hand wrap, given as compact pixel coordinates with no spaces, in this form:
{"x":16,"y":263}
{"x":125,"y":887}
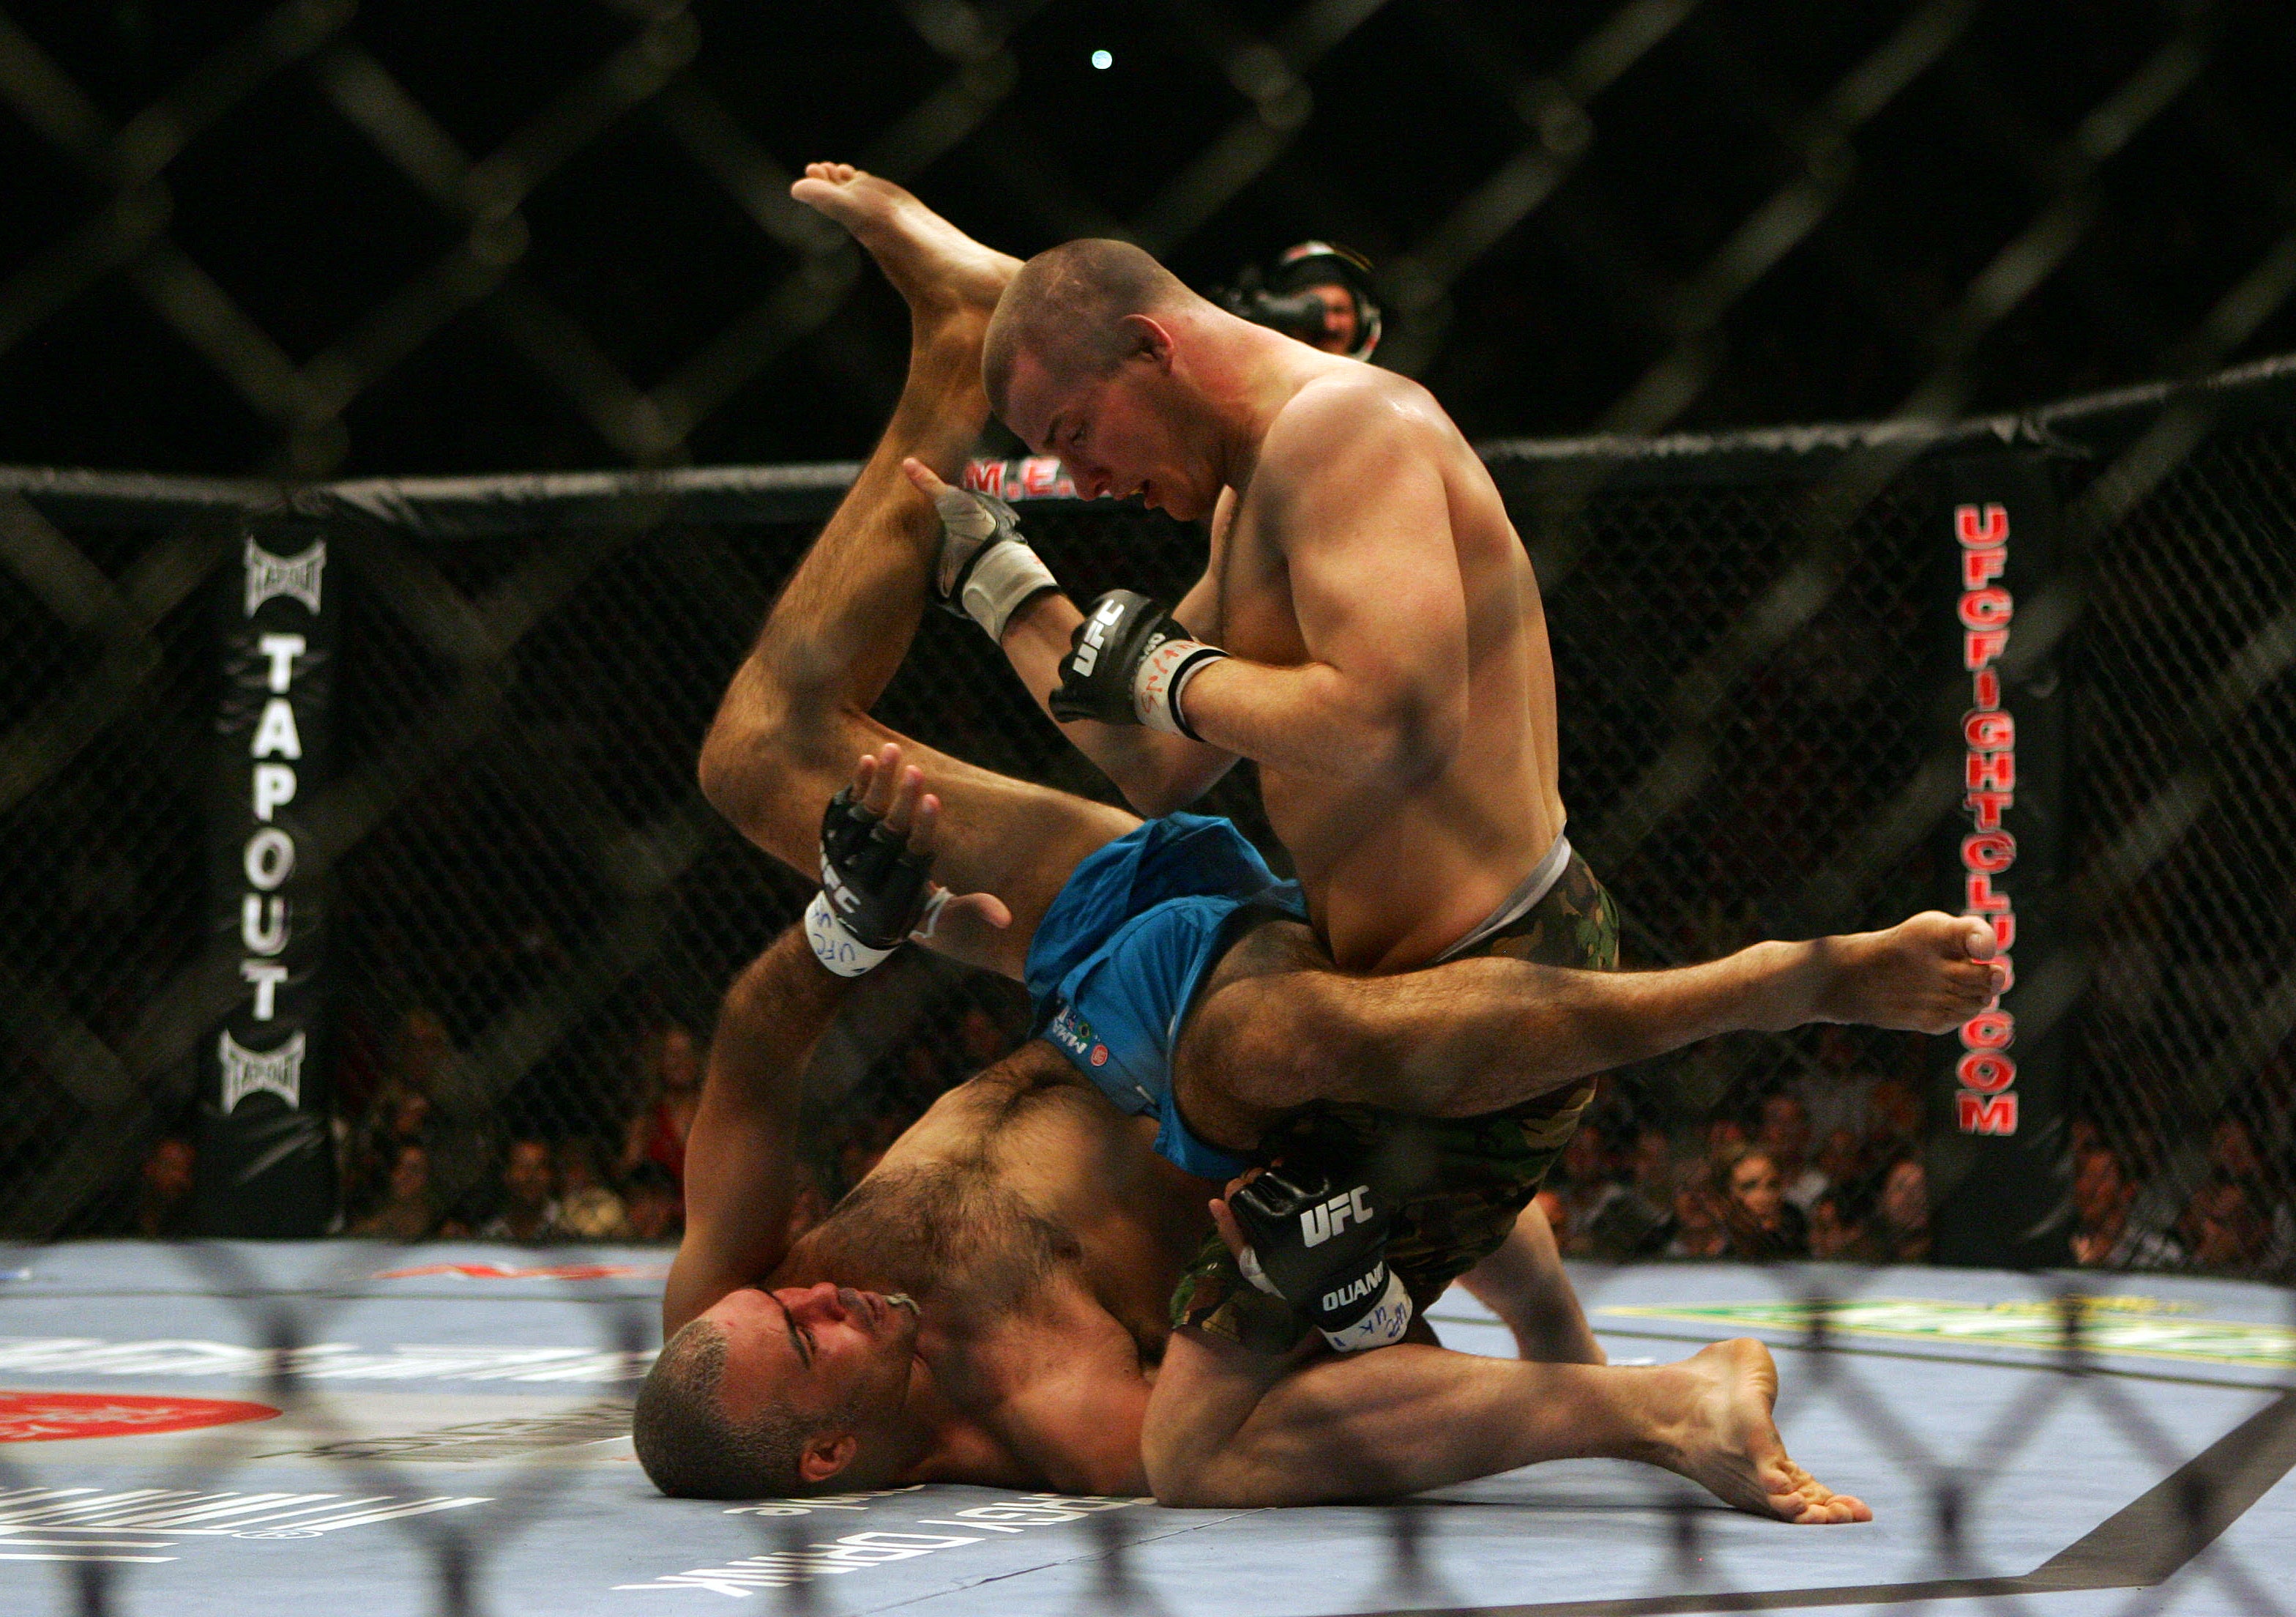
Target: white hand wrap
{"x":1383,"y":1326}
{"x":1161,"y":678}
{"x":846,"y":955}
{"x":986,"y":571}
{"x":835,"y":947}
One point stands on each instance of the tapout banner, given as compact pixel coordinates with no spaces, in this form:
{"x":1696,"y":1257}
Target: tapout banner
{"x":2000,"y":1183}
{"x":265,"y":1156}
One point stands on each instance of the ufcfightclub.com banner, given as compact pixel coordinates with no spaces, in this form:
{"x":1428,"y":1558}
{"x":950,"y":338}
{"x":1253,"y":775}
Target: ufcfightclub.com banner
{"x":1999,"y":1182}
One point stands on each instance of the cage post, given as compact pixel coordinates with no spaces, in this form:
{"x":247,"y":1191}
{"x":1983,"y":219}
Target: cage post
{"x":266,"y":1165}
{"x":1999,"y":1174}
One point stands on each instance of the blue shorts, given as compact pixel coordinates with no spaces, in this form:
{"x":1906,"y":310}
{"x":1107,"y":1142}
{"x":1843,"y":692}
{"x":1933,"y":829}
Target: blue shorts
{"x":1118,"y":958}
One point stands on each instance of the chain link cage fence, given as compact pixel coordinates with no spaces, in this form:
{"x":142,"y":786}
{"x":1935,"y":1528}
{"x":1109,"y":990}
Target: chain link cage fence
{"x":319,"y":240}
{"x":531,"y":912}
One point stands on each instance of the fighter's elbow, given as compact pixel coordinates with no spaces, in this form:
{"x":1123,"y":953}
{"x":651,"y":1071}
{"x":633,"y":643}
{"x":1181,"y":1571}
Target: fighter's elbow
{"x":728,"y":770}
{"x":1152,"y":797}
{"x":751,"y":751}
{"x":1412,"y":737}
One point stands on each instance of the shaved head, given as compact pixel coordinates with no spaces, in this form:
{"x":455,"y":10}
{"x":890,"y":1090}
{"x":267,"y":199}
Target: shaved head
{"x":1066,"y":310}
{"x":691,"y":1446}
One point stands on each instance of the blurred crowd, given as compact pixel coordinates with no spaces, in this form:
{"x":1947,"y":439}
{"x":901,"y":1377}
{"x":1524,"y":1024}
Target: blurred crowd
{"x":1827,"y":1165}
{"x":598,"y":1160}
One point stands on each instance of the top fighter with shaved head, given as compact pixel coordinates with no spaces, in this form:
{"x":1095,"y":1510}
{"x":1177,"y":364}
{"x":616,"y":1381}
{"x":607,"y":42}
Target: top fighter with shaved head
{"x":1383,"y":652}
{"x":1367,"y":630}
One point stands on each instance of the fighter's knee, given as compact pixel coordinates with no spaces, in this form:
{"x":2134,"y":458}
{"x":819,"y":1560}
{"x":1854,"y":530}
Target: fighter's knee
{"x":1279,"y":1044}
{"x":753,"y":753}
{"x":1182,"y":1479}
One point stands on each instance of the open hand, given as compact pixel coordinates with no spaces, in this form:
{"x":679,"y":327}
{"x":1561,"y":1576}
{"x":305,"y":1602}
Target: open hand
{"x":887,"y":790}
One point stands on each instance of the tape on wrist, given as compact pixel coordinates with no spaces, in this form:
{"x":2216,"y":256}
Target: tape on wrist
{"x":1383,"y":1326}
{"x":1163,"y":680}
{"x":1003,"y":579}
{"x":834,"y":947}
{"x":1247,"y":1262}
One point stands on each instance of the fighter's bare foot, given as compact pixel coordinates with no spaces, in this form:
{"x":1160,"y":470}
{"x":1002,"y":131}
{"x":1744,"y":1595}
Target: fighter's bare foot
{"x":929,"y":260}
{"x":1928,"y":973}
{"x":1732,"y":1446}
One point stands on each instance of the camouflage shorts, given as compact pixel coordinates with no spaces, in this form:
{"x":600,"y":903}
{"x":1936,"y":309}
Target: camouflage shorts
{"x":1459,"y":1182}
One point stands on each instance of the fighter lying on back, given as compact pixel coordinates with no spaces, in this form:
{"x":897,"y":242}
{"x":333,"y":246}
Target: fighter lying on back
{"x":987,"y":1305}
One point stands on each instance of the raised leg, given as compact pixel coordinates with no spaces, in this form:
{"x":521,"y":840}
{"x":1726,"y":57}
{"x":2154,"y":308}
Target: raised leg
{"x":796,"y":715}
{"x":1227,"y":1427}
{"x":1279,"y":1027}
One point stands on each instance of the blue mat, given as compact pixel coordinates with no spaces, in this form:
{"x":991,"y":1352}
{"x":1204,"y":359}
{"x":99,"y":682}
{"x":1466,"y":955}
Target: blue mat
{"x":460,"y":1413}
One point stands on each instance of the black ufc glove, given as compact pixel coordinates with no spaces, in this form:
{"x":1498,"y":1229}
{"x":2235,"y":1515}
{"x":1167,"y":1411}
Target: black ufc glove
{"x":1321,"y":1245}
{"x":1127,"y":663}
{"x":874,"y":892}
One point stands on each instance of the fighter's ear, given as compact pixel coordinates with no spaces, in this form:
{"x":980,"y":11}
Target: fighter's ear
{"x":1150,"y":339}
{"x":824,"y":1455}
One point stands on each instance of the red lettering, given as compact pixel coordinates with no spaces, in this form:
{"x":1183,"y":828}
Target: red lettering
{"x":1980,"y":647}
{"x":2008,"y":971}
{"x":2005,"y":934}
{"x":1988,"y":732}
{"x":1989,"y":1031}
{"x":1041,"y":476}
{"x":1986,"y":690}
{"x":1990,"y":852}
{"x":1994,"y":533}
{"x":1981,"y":900}
{"x":1987,"y":608}
{"x":1985,"y":809}
{"x":1979,"y":568}
{"x":985,"y":477}
{"x":1986,"y":1072}
{"x":1990,"y":771}
{"x":1982,"y":1114}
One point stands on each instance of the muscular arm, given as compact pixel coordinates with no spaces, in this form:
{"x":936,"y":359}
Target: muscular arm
{"x":1075,"y":1415}
{"x":1350,"y":489}
{"x":740,"y":1156}
{"x":1480,"y":1035}
{"x":1157,"y":773}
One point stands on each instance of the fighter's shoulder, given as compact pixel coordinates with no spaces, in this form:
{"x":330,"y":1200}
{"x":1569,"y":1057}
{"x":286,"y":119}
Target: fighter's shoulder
{"x":1352,"y":406}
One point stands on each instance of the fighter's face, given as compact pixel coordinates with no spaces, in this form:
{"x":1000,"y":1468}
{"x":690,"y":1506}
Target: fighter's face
{"x":1122,"y":434}
{"x":826,"y":1351}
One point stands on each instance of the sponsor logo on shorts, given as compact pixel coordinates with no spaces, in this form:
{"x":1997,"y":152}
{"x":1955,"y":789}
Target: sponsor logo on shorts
{"x":47,"y":1418}
{"x":1100,"y":1056}
{"x":1072,"y":1034}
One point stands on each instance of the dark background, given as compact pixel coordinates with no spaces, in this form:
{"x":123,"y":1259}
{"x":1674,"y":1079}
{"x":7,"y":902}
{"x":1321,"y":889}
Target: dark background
{"x":323,"y":240}
{"x":402,"y":237}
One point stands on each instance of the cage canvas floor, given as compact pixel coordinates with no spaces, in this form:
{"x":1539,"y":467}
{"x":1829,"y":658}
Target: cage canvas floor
{"x":457,"y":1420}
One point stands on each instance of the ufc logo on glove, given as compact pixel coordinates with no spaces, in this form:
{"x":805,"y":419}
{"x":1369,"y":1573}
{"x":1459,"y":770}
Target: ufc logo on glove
{"x":1320,"y":1223}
